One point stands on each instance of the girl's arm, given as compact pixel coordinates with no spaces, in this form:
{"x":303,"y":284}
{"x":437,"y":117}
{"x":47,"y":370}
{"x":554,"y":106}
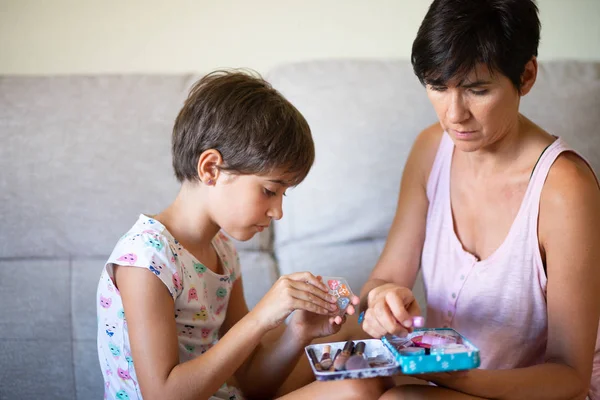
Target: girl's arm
{"x":269,"y":364}
{"x":569,"y":231}
{"x":153,"y":335}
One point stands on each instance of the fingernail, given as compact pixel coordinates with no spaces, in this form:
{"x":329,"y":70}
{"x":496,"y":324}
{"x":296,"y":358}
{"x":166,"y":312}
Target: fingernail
{"x":407,"y":323}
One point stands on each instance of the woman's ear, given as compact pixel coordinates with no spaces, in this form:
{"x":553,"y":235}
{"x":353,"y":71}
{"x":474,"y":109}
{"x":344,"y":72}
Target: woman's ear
{"x":208,"y":166}
{"x":528,"y":76}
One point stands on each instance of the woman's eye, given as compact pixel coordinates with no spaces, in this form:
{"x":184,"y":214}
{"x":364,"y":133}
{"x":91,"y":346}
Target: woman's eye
{"x":479,"y":92}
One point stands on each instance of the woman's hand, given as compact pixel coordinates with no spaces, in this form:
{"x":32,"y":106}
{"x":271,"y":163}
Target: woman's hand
{"x":298,"y":291}
{"x":390,"y":310}
{"x":307,"y":325}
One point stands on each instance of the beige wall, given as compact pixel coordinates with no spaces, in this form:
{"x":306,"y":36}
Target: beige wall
{"x":173,"y":36}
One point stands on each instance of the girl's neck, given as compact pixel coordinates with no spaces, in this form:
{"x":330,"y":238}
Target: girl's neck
{"x":188,"y":219}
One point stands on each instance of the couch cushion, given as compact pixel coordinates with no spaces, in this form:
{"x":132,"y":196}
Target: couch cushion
{"x":82,"y":157}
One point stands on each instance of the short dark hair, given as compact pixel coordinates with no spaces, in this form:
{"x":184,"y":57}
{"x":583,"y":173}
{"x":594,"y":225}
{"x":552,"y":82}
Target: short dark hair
{"x":456,"y":35}
{"x":252,"y":125}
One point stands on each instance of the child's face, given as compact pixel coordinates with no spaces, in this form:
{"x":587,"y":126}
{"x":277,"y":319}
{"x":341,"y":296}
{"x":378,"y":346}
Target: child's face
{"x":246,"y":204}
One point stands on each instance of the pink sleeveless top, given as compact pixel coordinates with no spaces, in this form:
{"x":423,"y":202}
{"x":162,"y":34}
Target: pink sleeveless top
{"x":498,"y":303}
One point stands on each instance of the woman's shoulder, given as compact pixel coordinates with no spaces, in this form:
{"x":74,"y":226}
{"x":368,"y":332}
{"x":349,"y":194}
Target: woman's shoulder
{"x":569,"y":177}
{"x":570,"y":196}
{"x":424,"y":150}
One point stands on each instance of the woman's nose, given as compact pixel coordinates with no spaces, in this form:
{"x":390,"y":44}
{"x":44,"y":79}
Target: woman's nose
{"x":457,"y":111}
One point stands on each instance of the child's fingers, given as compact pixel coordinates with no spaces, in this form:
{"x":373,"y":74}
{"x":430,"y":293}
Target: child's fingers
{"x":302,"y":304}
{"x":355,"y":300}
{"x":309,"y":278}
{"x":309,"y":288}
{"x":310,"y":296}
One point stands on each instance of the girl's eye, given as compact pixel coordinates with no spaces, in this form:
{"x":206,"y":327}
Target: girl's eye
{"x":437,"y":88}
{"x":269,"y":193}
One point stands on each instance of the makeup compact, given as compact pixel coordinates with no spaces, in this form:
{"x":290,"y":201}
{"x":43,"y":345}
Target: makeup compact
{"x":423,"y":351}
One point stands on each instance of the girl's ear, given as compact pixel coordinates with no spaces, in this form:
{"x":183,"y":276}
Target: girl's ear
{"x":208,"y":166}
{"x":528,"y":76}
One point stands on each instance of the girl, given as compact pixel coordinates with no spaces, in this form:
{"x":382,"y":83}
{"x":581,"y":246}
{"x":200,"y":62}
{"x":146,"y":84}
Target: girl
{"x":172,"y":319}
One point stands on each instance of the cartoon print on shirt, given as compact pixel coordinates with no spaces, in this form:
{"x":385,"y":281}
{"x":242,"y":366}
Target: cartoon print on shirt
{"x":199,"y":268}
{"x":156,"y":266}
{"x":202,"y":315}
{"x":114,"y":349}
{"x":111,"y":327}
{"x":105,"y":302}
{"x":123,"y":374}
{"x":189,"y":348}
{"x":122,"y":395}
{"x":221,"y":293}
{"x":188,"y":330}
{"x":220,"y":309}
{"x":157,"y":244}
{"x":129,"y":258}
{"x":177,"y":281}
{"x":192,"y":294}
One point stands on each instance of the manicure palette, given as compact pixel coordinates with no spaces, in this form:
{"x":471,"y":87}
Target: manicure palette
{"x":422,"y":351}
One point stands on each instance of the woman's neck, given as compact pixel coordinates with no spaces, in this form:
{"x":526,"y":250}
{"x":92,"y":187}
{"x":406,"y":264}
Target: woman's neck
{"x":504,"y":154}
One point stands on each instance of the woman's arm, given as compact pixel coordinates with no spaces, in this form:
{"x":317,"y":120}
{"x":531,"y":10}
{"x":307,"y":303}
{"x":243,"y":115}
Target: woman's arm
{"x":569,"y":232}
{"x":399,"y":262}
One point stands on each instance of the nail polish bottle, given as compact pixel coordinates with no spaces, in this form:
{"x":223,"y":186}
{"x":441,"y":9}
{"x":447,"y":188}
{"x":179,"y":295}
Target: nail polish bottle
{"x":337,"y":353}
{"x":326,"y":360}
{"x":340,"y":361}
{"x":357,"y":361}
{"x":314,"y":359}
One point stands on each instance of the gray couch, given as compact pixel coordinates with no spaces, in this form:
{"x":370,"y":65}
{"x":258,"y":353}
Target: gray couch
{"x":81,"y":157}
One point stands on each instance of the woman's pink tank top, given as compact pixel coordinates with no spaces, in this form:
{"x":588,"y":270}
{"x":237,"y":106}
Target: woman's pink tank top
{"x":499,"y":303}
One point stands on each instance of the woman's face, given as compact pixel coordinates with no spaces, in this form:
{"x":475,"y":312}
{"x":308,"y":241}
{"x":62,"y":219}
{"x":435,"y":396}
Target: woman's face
{"x":480,"y":109}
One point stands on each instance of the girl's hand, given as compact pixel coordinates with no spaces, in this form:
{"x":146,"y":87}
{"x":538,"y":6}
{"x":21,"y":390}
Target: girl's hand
{"x":308,"y":326}
{"x":298,"y":291}
{"x":390,"y":310}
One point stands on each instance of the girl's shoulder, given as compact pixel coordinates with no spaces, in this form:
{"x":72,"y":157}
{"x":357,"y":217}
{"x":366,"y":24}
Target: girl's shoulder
{"x":149,"y":245}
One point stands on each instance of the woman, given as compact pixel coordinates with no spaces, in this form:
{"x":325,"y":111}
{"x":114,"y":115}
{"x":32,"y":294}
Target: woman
{"x":503,"y":218}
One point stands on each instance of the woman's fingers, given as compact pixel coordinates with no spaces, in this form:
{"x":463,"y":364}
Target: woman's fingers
{"x":397,"y":307}
{"x":372,"y":326}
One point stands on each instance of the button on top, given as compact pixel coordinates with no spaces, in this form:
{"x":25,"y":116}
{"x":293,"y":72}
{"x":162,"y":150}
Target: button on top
{"x":453,"y":295}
